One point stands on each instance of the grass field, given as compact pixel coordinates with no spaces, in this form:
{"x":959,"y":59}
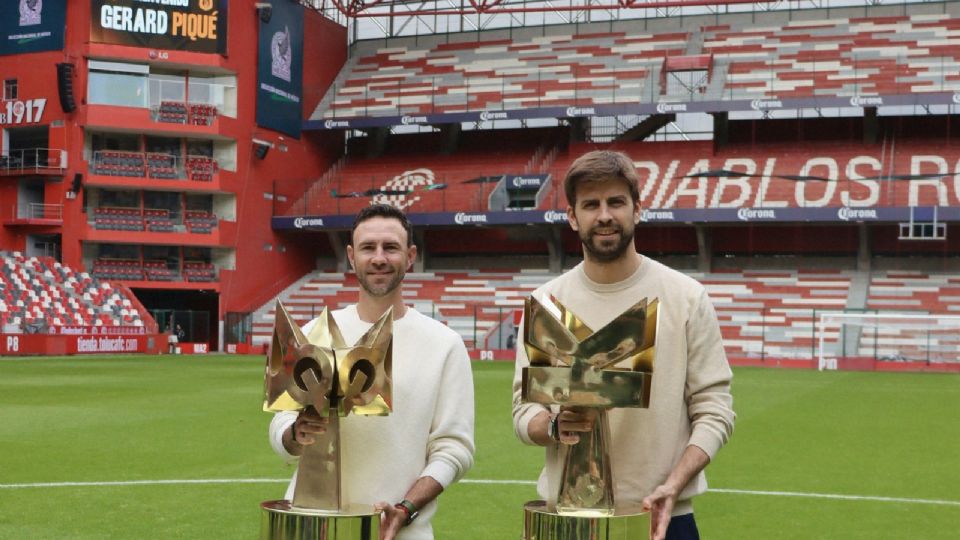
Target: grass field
{"x":85,"y":443}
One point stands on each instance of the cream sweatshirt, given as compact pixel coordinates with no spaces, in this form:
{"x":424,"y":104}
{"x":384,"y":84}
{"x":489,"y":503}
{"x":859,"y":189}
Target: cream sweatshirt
{"x":428,"y":433}
{"x":690,"y":400}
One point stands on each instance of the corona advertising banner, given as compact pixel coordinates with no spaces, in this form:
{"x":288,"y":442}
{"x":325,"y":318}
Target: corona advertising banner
{"x":280,"y":69}
{"x":32,"y":25}
{"x":182,"y":25}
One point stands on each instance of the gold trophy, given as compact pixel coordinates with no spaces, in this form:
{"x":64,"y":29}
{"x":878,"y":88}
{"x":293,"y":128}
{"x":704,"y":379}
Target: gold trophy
{"x":576,"y":368}
{"x":320,"y":371}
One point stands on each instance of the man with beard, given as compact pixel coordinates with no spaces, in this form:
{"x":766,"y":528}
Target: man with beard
{"x":399,"y":463}
{"x":657,"y":454}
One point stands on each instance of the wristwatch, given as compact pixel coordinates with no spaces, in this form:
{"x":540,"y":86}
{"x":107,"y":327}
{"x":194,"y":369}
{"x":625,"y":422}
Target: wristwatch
{"x":553,"y":428}
{"x":410,"y":509}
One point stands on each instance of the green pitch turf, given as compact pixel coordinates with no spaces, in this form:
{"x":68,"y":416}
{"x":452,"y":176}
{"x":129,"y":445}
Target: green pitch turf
{"x":814,"y":455}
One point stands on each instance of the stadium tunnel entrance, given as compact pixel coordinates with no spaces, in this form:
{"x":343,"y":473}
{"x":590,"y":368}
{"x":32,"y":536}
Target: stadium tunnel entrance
{"x":196,"y":312}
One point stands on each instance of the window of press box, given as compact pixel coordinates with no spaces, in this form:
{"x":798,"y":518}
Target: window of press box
{"x":198,"y":147}
{"x":118,"y":199}
{"x":124,"y":142}
{"x":10,"y":89}
{"x":116,"y":83}
{"x":136,"y":85}
{"x":164,"y":145}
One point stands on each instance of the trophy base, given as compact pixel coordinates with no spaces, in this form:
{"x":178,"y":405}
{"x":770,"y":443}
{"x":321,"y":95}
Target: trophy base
{"x":542,"y":524}
{"x":281,"y":521}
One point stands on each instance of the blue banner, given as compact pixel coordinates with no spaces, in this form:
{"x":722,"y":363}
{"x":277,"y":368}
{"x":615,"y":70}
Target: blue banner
{"x":642,"y":109}
{"x":280,"y":69}
{"x":32,"y":25}
{"x":842,"y":214}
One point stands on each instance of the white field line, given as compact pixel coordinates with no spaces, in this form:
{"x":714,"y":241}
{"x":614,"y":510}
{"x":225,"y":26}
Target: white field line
{"x":833,"y":496}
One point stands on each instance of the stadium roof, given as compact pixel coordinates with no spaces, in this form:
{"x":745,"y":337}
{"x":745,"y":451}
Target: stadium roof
{"x":405,"y":8}
{"x":374,"y":19}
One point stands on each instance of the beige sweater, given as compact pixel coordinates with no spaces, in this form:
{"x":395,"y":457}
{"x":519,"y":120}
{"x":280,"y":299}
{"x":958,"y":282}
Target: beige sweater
{"x":429,"y":432}
{"x":690,"y":396}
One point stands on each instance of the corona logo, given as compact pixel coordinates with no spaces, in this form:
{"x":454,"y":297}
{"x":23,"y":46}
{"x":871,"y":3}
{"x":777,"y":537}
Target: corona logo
{"x":302,"y":222}
{"x":748,"y":214}
{"x":487,"y":116}
{"x":846,"y":213}
{"x":581,"y":111}
{"x":520,"y":182}
{"x":656,"y":215}
{"x":462,"y":218}
{"x":762,"y":104}
{"x":330,"y":124}
{"x":866,"y":101}
{"x":664,"y":108}
{"x":553,"y":216}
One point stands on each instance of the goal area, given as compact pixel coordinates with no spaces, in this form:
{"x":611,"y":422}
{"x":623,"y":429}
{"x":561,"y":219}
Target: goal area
{"x":850,"y":339}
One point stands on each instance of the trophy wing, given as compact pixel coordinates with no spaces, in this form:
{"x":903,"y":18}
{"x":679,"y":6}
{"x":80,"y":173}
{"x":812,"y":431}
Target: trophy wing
{"x":547,"y":340}
{"x":627,"y":341}
{"x":299,"y":373}
{"x":365,"y":371}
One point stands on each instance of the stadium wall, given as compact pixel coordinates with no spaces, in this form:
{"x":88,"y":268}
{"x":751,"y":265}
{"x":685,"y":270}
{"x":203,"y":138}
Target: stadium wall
{"x":259,"y":262}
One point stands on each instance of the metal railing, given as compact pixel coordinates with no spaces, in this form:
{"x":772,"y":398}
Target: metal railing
{"x":138,"y":164}
{"x":200,"y":93}
{"x":33,"y":159}
{"x":40,"y":211}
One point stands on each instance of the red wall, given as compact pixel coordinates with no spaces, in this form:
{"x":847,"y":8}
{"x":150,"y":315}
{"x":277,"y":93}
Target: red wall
{"x":262,"y":274}
{"x":259,"y":273}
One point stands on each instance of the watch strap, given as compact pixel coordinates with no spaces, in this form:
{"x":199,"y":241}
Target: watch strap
{"x":553,"y":430}
{"x":410,"y":509}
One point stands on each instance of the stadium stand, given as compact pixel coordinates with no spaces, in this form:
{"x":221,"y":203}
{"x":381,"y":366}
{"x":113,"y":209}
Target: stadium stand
{"x":178,"y":112}
{"x":38,"y":293}
{"x":118,"y":219}
{"x":172,"y":112}
{"x":846,"y":56}
{"x":201,"y":168}
{"x":915,"y":291}
{"x":159,"y":271}
{"x":162,"y":166}
{"x":199,"y":271}
{"x":136,"y":164}
{"x":543,"y":71}
{"x":202,"y":114}
{"x":116,"y":163}
{"x":418,"y":178}
{"x":122,"y":269}
{"x":199,"y":221}
{"x":470,"y":302}
{"x":837,"y":57}
{"x":762,"y":313}
{"x":158,"y":220}
{"x":773,"y":312}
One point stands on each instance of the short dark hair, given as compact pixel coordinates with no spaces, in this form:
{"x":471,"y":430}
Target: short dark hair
{"x":384,"y":211}
{"x":601,"y":166}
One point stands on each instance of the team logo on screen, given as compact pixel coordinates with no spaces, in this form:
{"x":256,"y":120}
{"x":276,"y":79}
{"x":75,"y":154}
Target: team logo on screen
{"x":30,"y":12}
{"x":281,"y":54}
